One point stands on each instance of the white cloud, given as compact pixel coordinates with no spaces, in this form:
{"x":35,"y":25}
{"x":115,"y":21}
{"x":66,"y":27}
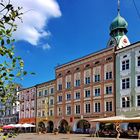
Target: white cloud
{"x":35,"y":19}
{"x":46,"y":47}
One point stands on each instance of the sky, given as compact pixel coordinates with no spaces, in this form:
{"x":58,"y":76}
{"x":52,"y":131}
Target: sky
{"x":55,"y":32}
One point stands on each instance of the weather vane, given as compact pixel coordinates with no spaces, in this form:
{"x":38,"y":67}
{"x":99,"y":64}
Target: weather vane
{"x":118,"y":6}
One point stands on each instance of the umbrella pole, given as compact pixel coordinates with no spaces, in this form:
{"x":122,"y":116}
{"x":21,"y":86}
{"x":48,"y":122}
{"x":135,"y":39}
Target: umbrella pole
{"x":118,"y":130}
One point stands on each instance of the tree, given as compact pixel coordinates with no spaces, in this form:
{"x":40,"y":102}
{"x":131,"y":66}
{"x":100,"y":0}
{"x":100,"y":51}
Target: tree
{"x":11,"y":66}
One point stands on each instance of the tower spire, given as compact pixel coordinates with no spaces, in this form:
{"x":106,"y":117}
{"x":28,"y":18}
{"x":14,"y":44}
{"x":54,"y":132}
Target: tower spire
{"x":118,"y":6}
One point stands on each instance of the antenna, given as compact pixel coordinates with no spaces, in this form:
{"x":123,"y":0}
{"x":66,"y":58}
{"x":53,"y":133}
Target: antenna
{"x":118,"y":6}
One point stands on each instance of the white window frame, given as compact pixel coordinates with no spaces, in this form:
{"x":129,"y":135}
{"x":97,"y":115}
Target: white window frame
{"x":98,"y":104}
{"x":126,"y":99}
{"x":125,"y":83}
{"x":109,"y":106}
{"x":79,"y":111}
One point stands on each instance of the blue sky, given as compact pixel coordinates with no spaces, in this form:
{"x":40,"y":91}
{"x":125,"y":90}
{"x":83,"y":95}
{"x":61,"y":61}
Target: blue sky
{"x":74,"y":29}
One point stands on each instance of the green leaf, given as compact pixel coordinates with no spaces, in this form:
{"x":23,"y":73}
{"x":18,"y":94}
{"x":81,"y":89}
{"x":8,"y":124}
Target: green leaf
{"x":8,"y":41}
{"x":11,"y":75}
{"x":4,"y":74}
{"x":2,"y":42}
{"x":32,"y":73}
{"x":18,"y":74}
{"x":25,"y":73}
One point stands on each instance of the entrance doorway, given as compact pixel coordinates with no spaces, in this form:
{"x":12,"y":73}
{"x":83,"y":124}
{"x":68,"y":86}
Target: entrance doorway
{"x":63,"y":125}
{"x":50,"y":127}
{"x":83,"y":126}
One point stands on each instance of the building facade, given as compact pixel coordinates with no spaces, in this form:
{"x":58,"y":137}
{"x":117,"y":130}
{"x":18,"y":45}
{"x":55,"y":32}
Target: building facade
{"x":85,"y":90}
{"x":9,"y":112}
{"x":45,"y":105}
{"x":27,"y":99}
{"x":128,"y":81}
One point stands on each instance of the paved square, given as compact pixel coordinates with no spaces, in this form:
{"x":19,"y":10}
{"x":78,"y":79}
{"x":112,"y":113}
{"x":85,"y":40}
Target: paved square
{"x":27,"y":136}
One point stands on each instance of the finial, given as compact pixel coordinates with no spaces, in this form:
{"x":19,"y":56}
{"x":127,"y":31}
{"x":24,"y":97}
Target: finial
{"x":118,"y":6}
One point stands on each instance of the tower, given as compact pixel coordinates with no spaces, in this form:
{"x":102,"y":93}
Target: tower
{"x":118,"y":31}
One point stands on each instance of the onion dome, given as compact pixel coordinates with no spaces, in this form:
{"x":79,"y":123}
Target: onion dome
{"x":118,"y":23}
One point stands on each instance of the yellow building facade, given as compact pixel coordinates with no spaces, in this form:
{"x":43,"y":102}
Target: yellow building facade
{"x":45,"y":106}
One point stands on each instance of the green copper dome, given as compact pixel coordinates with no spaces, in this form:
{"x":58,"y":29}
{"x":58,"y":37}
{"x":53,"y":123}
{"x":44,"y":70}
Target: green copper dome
{"x":118,"y":23}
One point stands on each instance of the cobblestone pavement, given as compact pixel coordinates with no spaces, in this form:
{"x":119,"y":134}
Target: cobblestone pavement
{"x":27,"y":136}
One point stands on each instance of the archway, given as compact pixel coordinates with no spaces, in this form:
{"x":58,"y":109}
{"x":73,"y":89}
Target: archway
{"x":134,"y":126}
{"x":83,"y":126}
{"x":62,"y":126}
{"x":50,"y":127}
{"x":41,"y":126}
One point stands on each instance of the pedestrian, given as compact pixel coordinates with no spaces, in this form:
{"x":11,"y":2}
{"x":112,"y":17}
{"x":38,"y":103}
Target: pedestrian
{"x":5,"y":136}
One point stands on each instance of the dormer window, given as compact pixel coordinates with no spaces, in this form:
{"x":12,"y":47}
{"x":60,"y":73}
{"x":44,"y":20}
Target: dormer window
{"x":68,"y":72}
{"x":109,"y":58}
{"x":97,"y":62}
{"x":60,"y":74}
{"x":87,"y":66}
{"x":77,"y":69}
{"x":124,"y":56}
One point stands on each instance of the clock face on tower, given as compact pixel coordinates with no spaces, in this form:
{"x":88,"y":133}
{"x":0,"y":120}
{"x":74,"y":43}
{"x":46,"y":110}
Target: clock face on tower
{"x":112,"y":42}
{"x":123,"y":42}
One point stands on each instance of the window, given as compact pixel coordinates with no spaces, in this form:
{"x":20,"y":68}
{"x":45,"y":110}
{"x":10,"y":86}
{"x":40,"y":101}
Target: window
{"x":77,"y":109}
{"x":43,"y":113}
{"x":51,"y":113}
{"x":125,"y":65}
{"x":27,"y":98}
{"x":97,"y":78}
{"x":68,"y":97}
{"x":109,"y":90}
{"x":125,"y":102}
{"x":138,"y":62}
{"x":87,"y":107}
{"x":87,"y":93}
{"x":138,"y":100}
{"x":59,"y":111}
{"x":39,"y":114}
{"x":124,"y":56}
{"x":68,"y":110}
{"x":40,"y":93}
{"x":125,"y":83}
{"x":109,"y":58}
{"x":77,"y":83}
{"x":59,"y":98}
{"x":87,"y":80}
{"x":108,"y":75}
{"x":52,"y":90}
{"x":77,"y":95}
{"x":109,"y":106}
{"x":97,"y":92}
{"x":46,"y":92}
{"x":138,"y":80}
{"x":97,"y":107}
{"x":59,"y":87}
{"x":68,"y":85}
{"x":51,"y":102}
{"x":43,"y":101}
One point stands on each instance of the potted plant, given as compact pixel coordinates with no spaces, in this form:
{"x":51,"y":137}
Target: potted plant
{"x":55,"y":131}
